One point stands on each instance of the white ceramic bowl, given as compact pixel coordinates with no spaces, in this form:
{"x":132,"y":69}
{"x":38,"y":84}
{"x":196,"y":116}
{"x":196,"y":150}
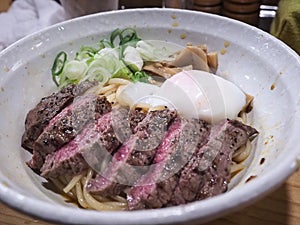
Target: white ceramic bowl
{"x":257,"y":62}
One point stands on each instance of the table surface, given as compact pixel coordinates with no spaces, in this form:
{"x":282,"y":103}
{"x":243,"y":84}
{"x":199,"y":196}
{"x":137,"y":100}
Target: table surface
{"x":280,"y":207}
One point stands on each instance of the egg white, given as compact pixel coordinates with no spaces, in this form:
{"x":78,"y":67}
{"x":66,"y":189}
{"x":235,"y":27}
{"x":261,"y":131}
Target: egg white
{"x":194,"y":94}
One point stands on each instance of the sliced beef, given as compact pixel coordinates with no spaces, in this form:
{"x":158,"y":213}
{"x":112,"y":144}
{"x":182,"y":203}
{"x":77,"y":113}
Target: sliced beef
{"x":70,"y":121}
{"x":36,"y":162}
{"x":125,"y":127}
{"x":206,"y":174}
{"x":155,"y":189}
{"x":93,"y":146}
{"x":39,"y":117}
{"x":147,"y":143}
{"x":147,"y":136}
{"x":138,"y":157}
{"x":136,"y":116}
{"x":70,"y":160}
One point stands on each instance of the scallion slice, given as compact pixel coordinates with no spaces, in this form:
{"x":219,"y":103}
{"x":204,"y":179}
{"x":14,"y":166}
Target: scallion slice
{"x":58,"y":65}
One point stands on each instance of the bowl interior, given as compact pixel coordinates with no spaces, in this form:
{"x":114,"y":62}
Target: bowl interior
{"x":258,"y":63}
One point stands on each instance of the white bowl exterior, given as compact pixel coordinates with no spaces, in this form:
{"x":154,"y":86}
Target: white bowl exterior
{"x":258,"y":63}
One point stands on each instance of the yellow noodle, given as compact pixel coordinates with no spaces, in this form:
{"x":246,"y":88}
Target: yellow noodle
{"x":107,"y":88}
{"x":101,"y":198}
{"x":111,"y":97}
{"x":142,"y":106}
{"x":80,"y":198}
{"x":118,"y":81}
{"x":82,"y":180}
{"x":89,"y":175}
{"x":98,"y":197}
{"x":116,"y":205}
{"x":242,"y":153}
{"x":240,"y":119}
{"x":96,"y":204}
{"x":59,"y":185}
{"x":159,"y":107}
{"x":119,"y":98}
{"x":119,"y":199}
{"x":102,"y":206}
{"x":72,"y":183}
{"x":95,"y":90}
{"x":109,"y":92}
{"x":244,"y":117}
{"x":119,"y":90}
{"x":236,"y":167}
{"x":112,"y":201}
{"x":238,"y":152}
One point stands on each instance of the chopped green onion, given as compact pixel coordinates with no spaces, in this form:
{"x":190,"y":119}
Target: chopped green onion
{"x":104,"y":43}
{"x":115,"y":34}
{"x":121,"y":55}
{"x":58,"y":65}
{"x":126,"y":36}
{"x":132,"y":59}
{"x":140,"y":76}
{"x":74,"y":70}
{"x":130,"y":34}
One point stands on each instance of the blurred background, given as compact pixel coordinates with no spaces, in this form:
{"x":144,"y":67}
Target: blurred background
{"x":281,"y":18}
{"x":256,"y":12}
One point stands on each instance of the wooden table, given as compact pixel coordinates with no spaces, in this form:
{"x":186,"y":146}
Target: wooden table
{"x":280,"y":207}
{"x":4,"y":5}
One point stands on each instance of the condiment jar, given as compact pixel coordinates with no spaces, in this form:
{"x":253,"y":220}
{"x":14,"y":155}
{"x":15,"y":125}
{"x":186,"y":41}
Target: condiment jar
{"x":209,"y":6}
{"x":243,"y":10}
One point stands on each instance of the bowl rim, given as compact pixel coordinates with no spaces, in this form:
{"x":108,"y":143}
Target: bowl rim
{"x":192,"y":211}
{"x":234,"y":198}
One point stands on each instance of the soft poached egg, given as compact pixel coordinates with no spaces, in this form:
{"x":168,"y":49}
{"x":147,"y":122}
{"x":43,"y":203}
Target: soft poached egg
{"x":193,"y":93}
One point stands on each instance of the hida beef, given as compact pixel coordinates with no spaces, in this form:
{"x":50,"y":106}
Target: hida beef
{"x":187,"y":159}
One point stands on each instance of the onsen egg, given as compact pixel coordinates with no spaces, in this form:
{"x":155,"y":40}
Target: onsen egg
{"x":193,"y":93}
{"x":133,"y":92}
{"x":203,"y":95}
